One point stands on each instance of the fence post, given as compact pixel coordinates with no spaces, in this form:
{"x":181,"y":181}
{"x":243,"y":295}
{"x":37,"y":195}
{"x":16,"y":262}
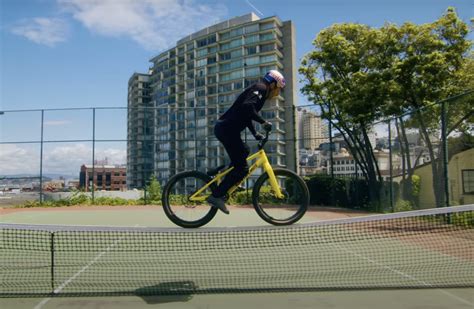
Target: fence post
{"x":444,"y":140}
{"x":390,"y":164}
{"x":195,"y":137}
{"x":41,"y":157}
{"x":331,"y":159}
{"x":93,"y":155}
{"x":247,"y":179}
{"x":144,"y":174}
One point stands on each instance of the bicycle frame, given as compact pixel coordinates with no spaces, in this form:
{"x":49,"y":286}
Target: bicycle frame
{"x":261,"y":160}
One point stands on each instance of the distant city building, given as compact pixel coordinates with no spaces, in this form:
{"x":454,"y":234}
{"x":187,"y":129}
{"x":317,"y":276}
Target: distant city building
{"x":311,"y":162}
{"x":345,"y":165}
{"x":194,"y":82}
{"x":104,"y":177}
{"x":54,"y":185}
{"x":312,"y":130}
{"x":73,"y":184}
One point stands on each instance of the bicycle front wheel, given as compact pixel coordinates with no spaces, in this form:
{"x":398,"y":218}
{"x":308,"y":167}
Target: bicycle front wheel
{"x":178,"y":205}
{"x":281,"y":211}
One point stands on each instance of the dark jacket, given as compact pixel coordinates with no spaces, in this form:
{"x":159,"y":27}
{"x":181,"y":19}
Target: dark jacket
{"x":245,"y":109}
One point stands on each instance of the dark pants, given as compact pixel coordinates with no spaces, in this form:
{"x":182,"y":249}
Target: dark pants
{"x":238,"y":152}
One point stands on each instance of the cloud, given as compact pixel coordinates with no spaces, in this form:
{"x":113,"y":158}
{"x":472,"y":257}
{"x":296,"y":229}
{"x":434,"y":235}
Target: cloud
{"x":154,"y":24}
{"x":62,"y":159}
{"x":18,"y":160}
{"x":45,"y":31}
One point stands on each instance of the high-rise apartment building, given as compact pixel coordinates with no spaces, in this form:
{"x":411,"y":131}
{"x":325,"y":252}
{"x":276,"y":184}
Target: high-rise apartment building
{"x":197,"y":80}
{"x":140,"y":131}
{"x":313,"y":130}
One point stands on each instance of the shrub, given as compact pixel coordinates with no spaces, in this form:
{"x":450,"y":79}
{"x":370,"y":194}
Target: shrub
{"x":348,"y":192}
{"x":153,"y":189}
{"x":403,"y":205}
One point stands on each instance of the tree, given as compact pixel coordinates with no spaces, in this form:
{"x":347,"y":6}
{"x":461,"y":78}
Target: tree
{"x":154,"y":189}
{"x":431,"y":64}
{"x":348,"y":76}
{"x":358,"y":74}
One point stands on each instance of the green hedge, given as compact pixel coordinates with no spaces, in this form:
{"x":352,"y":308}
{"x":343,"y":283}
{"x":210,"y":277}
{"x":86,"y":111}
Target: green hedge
{"x":348,"y":192}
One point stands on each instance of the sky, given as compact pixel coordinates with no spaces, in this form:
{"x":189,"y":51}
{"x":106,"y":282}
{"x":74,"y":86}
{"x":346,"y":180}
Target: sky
{"x":57,"y":54}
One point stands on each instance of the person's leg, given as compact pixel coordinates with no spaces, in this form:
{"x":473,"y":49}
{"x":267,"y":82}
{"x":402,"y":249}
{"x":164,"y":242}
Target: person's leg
{"x":238,"y":152}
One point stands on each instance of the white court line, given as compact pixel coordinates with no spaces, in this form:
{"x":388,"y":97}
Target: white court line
{"x":83,"y":269}
{"x":405,"y":275}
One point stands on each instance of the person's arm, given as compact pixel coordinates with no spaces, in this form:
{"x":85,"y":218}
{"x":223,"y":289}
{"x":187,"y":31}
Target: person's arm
{"x":252,"y":112}
{"x":251,"y":127}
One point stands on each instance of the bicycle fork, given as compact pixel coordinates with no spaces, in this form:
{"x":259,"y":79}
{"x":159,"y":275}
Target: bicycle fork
{"x":271,"y":176}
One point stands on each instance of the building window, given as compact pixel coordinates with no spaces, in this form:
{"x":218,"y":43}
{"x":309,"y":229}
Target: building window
{"x":200,"y":82}
{"x":267,"y":36}
{"x":468,"y":181}
{"x":224,"y":36}
{"x":201,"y":62}
{"x":252,"y":60}
{"x":267,"y":26}
{"x":251,"y":39}
{"x":201,"y":52}
{"x":251,"y":50}
{"x":225,"y":56}
{"x":225,"y":87}
{"x":252,"y":72}
{"x":211,"y":80}
{"x":236,"y":53}
{"x":267,"y":48}
{"x":236,"y":32}
{"x":251,"y":28}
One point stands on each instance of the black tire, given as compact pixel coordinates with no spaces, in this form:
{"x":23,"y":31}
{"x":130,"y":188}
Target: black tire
{"x":293,"y":207}
{"x":176,"y":205}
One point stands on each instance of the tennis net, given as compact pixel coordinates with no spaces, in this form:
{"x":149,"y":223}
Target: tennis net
{"x":417,"y":249}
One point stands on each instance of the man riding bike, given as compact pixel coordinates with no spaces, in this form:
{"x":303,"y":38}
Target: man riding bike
{"x":238,"y":117}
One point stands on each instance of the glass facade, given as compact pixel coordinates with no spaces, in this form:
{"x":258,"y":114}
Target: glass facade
{"x":196,"y":81}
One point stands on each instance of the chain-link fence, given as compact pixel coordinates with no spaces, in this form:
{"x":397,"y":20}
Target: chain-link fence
{"x":421,"y":159}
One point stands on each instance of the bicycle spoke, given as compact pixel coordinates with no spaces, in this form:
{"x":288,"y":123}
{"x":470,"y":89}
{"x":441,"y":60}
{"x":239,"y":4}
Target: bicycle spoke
{"x":281,"y":210}
{"x":180,"y":204}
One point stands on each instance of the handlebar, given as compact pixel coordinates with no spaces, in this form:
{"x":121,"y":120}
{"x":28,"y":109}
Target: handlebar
{"x":262,"y":143}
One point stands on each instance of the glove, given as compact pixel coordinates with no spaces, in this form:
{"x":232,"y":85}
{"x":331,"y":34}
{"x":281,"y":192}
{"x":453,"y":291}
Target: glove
{"x":267,"y":126}
{"x":258,"y":136}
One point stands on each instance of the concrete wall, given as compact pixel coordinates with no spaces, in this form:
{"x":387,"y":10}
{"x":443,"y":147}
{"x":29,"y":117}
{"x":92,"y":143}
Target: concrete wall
{"x":129,"y":195}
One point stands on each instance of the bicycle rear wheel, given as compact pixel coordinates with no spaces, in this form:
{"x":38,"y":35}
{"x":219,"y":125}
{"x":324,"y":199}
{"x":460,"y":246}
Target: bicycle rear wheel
{"x":177,"y":205}
{"x":281,"y":211}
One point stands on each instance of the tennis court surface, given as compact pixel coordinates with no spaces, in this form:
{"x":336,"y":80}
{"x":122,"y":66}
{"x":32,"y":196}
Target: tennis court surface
{"x":418,"y":249}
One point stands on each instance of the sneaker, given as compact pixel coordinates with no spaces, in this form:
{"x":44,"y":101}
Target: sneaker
{"x":240,"y":189}
{"x":218,"y":202}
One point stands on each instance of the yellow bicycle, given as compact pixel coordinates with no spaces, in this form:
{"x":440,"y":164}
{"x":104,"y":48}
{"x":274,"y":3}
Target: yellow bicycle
{"x":279,"y":196}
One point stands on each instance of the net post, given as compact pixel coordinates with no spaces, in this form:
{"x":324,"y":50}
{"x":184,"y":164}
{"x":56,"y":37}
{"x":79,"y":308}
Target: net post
{"x":52,"y":262}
